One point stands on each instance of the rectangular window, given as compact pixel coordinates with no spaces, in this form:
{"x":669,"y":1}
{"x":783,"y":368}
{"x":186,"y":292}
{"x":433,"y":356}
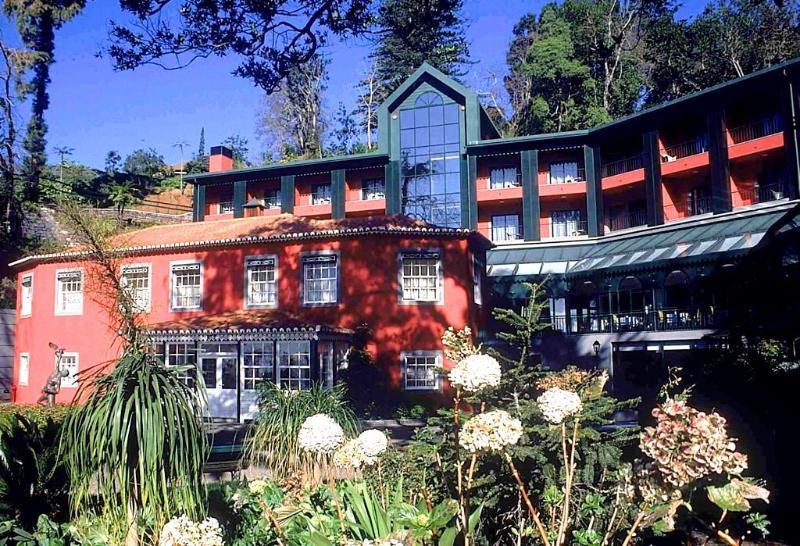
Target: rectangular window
{"x":261,"y":282}
{"x":294,"y":365}
{"x":24,"y":368}
{"x":69,"y":362}
{"x":226,"y":207}
{"x":187,"y":286}
{"x":321,"y":194}
{"x":26,"y":295}
{"x":69,"y":292}
{"x":183,"y":356}
{"x":420,"y":277}
{"x":320,"y":279}
{"x":272,"y":199}
{"x":564,"y":173}
{"x":505,"y":177}
{"x":136,"y":282}
{"x":505,"y":227}
{"x":565,"y":223}
{"x":373,"y":189}
{"x":477,"y":281}
{"x":421,"y":370}
{"x":258,"y":364}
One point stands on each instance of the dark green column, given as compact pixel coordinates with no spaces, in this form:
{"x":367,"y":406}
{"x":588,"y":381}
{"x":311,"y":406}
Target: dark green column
{"x":718,"y":160}
{"x":469,"y":192}
{"x":791,"y":132}
{"x":239,"y":198}
{"x":287,"y":193}
{"x":529,"y":161}
{"x":338,"y":193}
{"x":652,"y":178}
{"x":594,"y":191}
{"x":394,"y":195}
{"x":199,"y":204}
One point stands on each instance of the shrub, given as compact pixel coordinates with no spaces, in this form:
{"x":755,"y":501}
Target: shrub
{"x":282,"y":413}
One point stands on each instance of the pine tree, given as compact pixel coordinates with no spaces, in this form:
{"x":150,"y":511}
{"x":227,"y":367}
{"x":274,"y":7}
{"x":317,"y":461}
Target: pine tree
{"x":201,"y":150}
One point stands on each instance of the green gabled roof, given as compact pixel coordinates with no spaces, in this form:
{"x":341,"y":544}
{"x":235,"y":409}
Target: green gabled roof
{"x":426,"y":69}
{"x":303,"y":166}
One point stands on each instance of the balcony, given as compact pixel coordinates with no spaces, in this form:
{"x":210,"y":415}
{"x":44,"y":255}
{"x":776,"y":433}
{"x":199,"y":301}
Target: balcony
{"x":627,"y":221}
{"x":757,"y":129}
{"x":691,"y":318}
{"x":565,"y":230}
{"x":694,"y":206}
{"x":689,"y":148}
{"x":624,"y":165}
{"x":760,"y":194}
{"x":576,"y":175}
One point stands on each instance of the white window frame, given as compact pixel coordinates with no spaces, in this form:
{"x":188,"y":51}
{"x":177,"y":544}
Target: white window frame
{"x":439,"y":359}
{"x":24,"y":371}
{"x":172,"y":285}
{"x":25,"y":296}
{"x":308,"y":257}
{"x":71,"y":381}
{"x":148,"y":305}
{"x":282,"y":349}
{"x":248,"y":351}
{"x":247,"y":301}
{"x":59,"y":311}
{"x":420,"y":253}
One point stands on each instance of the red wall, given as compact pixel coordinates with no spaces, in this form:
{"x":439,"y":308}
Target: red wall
{"x":368,"y":294}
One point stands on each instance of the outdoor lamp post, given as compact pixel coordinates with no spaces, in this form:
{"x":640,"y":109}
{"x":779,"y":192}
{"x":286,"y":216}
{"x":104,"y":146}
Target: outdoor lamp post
{"x":596,"y":347}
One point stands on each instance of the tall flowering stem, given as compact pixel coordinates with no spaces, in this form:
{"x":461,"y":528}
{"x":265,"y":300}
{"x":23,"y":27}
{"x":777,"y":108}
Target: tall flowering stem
{"x":462,"y":511}
{"x":569,"y":473}
{"x":522,"y":490}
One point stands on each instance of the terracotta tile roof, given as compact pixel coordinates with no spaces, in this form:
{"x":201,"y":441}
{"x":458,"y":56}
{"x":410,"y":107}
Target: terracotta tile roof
{"x":271,"y":320}
{"x":282,"y":227}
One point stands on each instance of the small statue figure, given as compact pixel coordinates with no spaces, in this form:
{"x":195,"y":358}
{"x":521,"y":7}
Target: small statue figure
{"x":53,"y":385}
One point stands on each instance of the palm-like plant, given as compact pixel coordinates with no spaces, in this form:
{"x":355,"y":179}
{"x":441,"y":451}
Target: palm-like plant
{"x":282,"y":413}
{"x":135,"y":448}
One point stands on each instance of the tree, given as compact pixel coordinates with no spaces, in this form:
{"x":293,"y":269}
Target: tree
{"x":292,"y":120}
{"x":345,"y":134}
{"x":199,"y":163}
{"x":271,"y":38}
{"x":201,"y":150}
{"x":112,"y":164}
{"x":147,"y":164}
{"x":122,"y":196}
{"x":239,"y":147}
{"x":410,"y":32}
{"x":37,"y":22}
{"x":369,"y":94}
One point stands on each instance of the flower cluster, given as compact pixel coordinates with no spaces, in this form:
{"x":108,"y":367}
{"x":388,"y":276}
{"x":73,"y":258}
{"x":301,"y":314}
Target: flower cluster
{"x":257,"y":486}
{"x":490,"y":431}
{"x":476,"y":373}
{"x":687,"y":444}
{"x":182,"y":531}
{"x":458,"y":344}
{"x":363,"y":450}
{"x":557,"y":404}
{"x":320,"y":434}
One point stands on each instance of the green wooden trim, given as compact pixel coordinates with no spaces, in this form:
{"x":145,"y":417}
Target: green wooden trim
{"x":239,"y":198}
{"x":531,"y":210}
{"x":199,"y":203}
{"x":791,"y":133}
{"x":652,"y":178}
{"x":718,"y":161}
{"x":469,"y":192}
{"x":394,"y":195}
{"x":594,"y":191}
{"x":287,"y":193}
{"x":338,"y":191}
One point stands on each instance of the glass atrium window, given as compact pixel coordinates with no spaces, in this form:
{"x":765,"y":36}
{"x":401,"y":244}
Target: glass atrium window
{"x":431,"y":169}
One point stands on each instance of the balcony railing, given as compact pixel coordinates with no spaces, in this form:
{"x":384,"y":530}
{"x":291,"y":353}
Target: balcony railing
{"x":694,"y":206}
{"x":627,"y":221}
{"x":623,"y":165}
{"x":578,"y":176}
{"x":762,"y":194}
{"x":693,"y":318}
{"x":756,"y":129}
{"x":695,"y":146}
{"x":569,"y":229}
{"x":508,"y":182}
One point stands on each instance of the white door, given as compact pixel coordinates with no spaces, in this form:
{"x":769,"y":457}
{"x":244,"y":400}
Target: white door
{"x":219,"y":367}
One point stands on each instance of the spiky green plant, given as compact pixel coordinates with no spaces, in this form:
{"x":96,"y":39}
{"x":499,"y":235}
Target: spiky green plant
{"x":281,"y":414}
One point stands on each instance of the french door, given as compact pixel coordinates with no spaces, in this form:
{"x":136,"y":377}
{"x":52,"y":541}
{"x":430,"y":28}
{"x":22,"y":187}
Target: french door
{"x":219,"y":365}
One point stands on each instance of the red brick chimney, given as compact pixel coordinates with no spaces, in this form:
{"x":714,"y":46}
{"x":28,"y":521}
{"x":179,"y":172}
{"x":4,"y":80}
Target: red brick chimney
{"x":220,"y":159}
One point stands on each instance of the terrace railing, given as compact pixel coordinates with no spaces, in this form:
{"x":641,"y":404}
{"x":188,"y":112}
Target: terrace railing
{"x":697,"y":145}
{"x":756,"y":129}
{"x":762,"y":194}
{"x":627,"y":221}
{"x":690,"y":318}
{"x":623,"y":165}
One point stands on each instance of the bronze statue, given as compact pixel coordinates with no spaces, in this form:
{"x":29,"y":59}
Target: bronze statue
{"x":53,"y":384}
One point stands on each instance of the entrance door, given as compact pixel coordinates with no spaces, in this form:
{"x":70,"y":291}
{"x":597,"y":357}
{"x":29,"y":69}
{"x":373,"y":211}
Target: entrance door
{"x":219,"y":365}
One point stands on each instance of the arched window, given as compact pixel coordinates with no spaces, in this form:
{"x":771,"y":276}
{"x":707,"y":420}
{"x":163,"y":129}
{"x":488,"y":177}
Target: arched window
{"x":630,"y":283}
{"x":430,"y":150}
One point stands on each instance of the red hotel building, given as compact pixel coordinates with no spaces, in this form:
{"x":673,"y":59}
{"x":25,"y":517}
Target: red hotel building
{"x":637,"y":224}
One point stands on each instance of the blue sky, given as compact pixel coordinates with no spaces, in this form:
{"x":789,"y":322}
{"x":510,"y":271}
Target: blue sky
{"x":95,"y":109}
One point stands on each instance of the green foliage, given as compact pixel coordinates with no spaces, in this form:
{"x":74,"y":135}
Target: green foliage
{"x":239,"y":147}
{"x":241,"y":510}
{"x":280,"y":416}
{"x":146,"y":165}
{"x":33,"y":481}
{"x":137,"y":444}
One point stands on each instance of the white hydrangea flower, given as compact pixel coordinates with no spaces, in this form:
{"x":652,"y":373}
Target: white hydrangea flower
{"x":490,"y":431}
{"x":182,"y":531}
{"x":558,"y":404}
{"x":320,"y":434}
{"x":257,"y":487}
{"x":476,"y":373}
{"x":373,"y":443}
{"x":349,"y":455}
